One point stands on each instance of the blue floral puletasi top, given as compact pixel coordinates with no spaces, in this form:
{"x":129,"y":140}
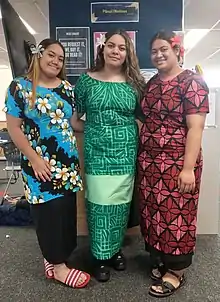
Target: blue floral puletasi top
{"x":48,"y":130}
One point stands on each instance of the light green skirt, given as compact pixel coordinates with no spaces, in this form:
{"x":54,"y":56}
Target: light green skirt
{"x":108,"y":200}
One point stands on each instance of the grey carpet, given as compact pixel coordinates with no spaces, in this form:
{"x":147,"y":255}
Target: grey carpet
{"x":22,"y":280}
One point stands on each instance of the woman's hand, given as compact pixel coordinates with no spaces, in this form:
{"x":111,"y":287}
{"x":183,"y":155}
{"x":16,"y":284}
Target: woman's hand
{"x":41,"y":169}
{"x":186,"y":181}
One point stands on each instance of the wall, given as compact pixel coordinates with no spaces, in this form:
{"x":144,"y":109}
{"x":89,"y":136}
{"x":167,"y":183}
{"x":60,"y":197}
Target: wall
{"x":208,"y":216}
{"x":6,"y":77}
{"x":154,"y":16}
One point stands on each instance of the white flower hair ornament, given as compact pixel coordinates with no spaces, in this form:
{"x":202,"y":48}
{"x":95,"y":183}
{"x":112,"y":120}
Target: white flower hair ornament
{"x":37,"y":50}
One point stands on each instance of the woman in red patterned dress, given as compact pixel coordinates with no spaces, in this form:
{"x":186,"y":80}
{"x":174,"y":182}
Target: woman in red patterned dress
{"x":170,"y":163}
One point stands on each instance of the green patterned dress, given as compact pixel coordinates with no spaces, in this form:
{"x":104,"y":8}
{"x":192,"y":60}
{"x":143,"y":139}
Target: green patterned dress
{"x":110,"y":152}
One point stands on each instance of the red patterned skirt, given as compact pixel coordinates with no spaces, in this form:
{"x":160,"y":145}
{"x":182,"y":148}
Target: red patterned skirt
{"x":168,"y":217}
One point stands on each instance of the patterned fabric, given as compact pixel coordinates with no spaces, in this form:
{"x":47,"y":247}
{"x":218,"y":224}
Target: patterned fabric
{"x":168,"y":218}
{"x":107,"y":226}
{"x":108,"y":211}
{"x":110,"y":152}
{"x":110,"y":128}
{"x":48,"y":130}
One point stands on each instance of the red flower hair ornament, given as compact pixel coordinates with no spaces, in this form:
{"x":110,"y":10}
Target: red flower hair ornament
{"x":176,"y":41}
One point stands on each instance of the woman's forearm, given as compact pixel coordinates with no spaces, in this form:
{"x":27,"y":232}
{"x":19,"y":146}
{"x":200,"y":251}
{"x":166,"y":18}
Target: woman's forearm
{"x":77,"y":123}
{"x":22,"y":143}
{"x":79,"y":126}
{"x":193,"y":145}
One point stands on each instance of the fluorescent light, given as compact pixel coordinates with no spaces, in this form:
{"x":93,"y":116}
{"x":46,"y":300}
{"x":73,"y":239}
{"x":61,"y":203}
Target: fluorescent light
{"x":193,"y":37}
{"x":29,"y":28}
{"x":213,"y":54}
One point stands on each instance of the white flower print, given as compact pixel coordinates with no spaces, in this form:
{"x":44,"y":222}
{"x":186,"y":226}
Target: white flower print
{"x":29,"y":139}
{"x":52,"y":165}
{"x":64,"y":174}
{"x":67,"y":85}
{"x":34,"y":200}
{"x":28,"y":96}
{"x":51,"y":162}
{"x":39,"y":151}
{"x":19,"y":86}
{"x":20,"y":89}
{"x":43,"y":105}
{"x":65,"y":126}
{"x":79,"y":184}
{"x":71,"y":136}
{"x":56,"y":116}
{"x":74,"y":177}
{"x":27,"y":192}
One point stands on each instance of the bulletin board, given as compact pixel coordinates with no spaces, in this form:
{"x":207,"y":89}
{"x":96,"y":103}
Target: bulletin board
{"x":142,"y":17}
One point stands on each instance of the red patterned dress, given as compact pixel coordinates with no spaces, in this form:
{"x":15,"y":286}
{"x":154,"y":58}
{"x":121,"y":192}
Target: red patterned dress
{"x":168,"y":217}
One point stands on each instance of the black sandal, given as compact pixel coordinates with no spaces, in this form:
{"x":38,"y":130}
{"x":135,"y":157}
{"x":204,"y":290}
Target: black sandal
{"x":167,"y":287}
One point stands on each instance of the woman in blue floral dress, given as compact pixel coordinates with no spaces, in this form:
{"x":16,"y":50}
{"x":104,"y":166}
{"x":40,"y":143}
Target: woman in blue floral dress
{"x":41,"y":115}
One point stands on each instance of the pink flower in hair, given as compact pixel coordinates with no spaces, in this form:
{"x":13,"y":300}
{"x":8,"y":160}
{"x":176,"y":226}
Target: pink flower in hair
{"x":176,"y":41}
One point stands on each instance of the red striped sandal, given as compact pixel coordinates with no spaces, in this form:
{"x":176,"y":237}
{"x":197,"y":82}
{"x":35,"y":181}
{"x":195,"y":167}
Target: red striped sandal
{"x":74,"y":276}
{"x":49,"y":269}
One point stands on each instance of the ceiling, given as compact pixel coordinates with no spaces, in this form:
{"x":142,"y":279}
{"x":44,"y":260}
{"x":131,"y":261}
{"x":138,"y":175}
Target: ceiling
{"x":198,"y":14}
{"x":36,"y":14}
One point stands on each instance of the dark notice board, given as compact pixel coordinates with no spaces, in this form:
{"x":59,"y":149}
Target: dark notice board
{"x":154,"y":16}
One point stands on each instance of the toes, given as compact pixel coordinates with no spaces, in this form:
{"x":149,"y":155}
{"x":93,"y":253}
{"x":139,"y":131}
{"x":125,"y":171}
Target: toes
{"x":158,"y":289}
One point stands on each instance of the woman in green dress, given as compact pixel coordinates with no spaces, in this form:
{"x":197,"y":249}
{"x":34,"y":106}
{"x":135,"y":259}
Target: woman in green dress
{"x":109,"y":94}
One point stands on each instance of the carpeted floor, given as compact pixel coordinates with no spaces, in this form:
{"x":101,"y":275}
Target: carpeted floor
{"x":22,"y":280}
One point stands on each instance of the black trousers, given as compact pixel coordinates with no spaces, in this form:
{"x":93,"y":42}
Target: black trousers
{"x":56,"y":227}
{"x":172,"y":262}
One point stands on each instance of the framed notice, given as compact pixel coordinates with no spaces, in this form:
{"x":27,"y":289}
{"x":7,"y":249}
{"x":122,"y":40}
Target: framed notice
{"x":114,"y":12}
{"x":99,"y":38}
{"x":76,"y":41}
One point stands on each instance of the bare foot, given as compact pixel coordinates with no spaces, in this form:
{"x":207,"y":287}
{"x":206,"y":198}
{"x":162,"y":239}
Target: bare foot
{"x":61,"y":271}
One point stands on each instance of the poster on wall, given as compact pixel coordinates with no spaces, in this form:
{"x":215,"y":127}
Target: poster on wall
{"x":114,"y":12}
{"x":76,"y":41}
{"x":99,"y":39}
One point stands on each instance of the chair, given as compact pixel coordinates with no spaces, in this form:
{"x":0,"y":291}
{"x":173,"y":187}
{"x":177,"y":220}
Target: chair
{"x":13,"y":164}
